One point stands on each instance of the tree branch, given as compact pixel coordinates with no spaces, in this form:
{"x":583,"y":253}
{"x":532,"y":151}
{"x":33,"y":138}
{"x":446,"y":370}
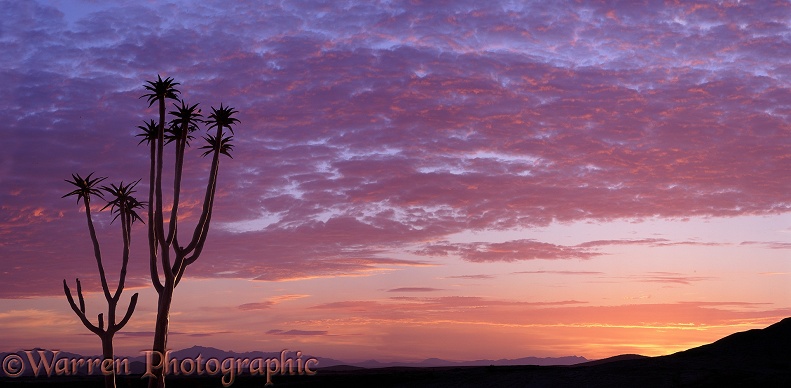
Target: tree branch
{"x":126,"y":236}
{"x":159,"y":214}
{"x":80,"y":314}
{"x":79,"y":295}
{"x":129,"y":311}
{"x":208,"y":200}
{"x":181,"y":144}
{"x":96,"y":250}
{"x":153,"y":244}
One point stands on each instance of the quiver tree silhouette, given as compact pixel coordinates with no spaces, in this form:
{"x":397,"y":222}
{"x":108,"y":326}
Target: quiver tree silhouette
{"x":167,"y":253}
{"x":124,"y":206}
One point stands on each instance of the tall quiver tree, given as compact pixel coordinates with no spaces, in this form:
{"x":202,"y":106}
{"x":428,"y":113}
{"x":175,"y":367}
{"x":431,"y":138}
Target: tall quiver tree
{"x":167,"y":253}
{"x":124,"y":206}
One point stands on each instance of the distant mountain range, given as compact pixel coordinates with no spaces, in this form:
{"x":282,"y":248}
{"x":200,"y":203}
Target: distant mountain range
{"x":137,"y":363}
{"x":435,"y":362}
{"x":754,"y":358}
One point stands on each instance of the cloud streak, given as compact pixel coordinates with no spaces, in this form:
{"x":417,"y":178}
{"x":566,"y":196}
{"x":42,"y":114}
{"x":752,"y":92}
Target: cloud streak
{"x":529,"y":249}
{"x":414,"y":289}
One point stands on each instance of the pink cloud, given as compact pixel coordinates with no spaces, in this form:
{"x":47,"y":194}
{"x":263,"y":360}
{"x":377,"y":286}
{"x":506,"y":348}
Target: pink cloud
{"x":671,"y":277}
{"x":769,"y":244}
{"x":560,"y":272}
{"x":509,"y":251}
{"x":257,"y":306}
{"x":528,"y":249}
{"x":414,"y":289}
{"x":296,"y":332}
{"x":472,"y":277}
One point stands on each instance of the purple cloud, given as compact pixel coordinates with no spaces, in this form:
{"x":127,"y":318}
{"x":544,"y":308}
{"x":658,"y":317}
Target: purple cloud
{"x":367,"y":129}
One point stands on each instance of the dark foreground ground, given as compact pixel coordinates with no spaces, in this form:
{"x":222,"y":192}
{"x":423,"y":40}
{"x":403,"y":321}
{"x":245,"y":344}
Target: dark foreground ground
{"x":619,"y":374}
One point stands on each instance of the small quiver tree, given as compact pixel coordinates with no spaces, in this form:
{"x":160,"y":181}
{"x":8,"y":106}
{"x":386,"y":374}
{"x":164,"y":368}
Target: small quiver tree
{"x":123,"y":205}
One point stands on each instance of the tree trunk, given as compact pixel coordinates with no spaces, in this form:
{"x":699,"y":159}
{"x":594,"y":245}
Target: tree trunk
{"x":107,"y":353}
{"x":161,"y":334}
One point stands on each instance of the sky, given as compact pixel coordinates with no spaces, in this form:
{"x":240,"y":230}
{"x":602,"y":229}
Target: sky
{"x":412,"y":179}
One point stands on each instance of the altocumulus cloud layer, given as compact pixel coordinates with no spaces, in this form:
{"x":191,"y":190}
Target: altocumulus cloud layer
{"x":375,"y":128}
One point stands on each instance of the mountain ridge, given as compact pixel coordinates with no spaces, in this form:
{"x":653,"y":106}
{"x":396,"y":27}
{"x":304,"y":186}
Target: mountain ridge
{"x":207,"y":352}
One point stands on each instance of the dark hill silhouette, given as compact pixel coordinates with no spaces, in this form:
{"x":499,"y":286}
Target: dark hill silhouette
{"x":769,"y":346}
{"x":621,"y":357}
{"x":757,"y":357}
